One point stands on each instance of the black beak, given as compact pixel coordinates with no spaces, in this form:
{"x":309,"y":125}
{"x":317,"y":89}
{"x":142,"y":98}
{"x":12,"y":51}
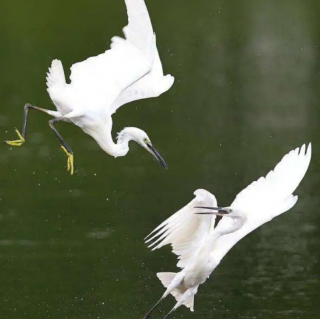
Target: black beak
{"x":157,"y":156}
{"x":220,"y":211}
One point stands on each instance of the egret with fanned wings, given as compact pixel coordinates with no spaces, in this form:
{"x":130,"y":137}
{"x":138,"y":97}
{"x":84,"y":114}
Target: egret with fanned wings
{"x":129,"y":71}
{"x":200,"y":242}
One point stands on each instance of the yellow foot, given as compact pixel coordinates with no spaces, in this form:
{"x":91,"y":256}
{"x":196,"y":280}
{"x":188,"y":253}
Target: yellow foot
{"x":17,"y":142}
{"x":70,"y":160}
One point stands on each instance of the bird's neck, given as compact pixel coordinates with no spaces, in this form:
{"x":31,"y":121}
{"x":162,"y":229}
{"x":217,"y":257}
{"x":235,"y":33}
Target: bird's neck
{"x":207,"y":252}
{"x":104,"y":139}
{"x":226,"y":228}
{"x":204,"y":253}
{"x":213,"y":236}
{"x":232,"y":226}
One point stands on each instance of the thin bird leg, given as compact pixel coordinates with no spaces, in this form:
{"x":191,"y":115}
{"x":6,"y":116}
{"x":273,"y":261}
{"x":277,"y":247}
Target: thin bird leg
{"x":183,"y":299}
{"x":23,"y":135}
{"x":175,"y":283}
{"x":153,"y":308}
{"x":170,"y":312}
{"x":65,"y":147}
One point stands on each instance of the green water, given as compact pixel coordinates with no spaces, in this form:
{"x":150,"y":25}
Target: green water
{"x":246,"y":92}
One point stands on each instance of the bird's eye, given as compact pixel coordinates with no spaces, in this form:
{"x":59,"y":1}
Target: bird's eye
{"x":146,"y":140}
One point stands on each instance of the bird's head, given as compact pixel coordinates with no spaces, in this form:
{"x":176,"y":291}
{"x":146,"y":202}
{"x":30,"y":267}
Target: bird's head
{"x":141,"y":137}
{"x":223,"y":211}
{"x":237,"y":216}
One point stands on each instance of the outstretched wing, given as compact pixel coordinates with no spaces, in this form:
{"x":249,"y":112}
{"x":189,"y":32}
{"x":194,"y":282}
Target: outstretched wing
{"x":266,"y":198}
{"x":100,"y":79}
{"x":185,"y":230}
{"x":151,"y":85}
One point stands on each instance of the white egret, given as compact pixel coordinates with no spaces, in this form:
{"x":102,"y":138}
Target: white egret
{"x":201,"y":241}
{"x":129,"y":71}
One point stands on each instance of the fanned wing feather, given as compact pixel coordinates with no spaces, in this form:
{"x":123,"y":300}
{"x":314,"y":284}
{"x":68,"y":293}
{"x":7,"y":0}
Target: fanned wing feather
{"x":266,"y":198}
{"x":100,"y":79}
{"x":139,"y":29}
{"x":151,"y":85}
{"x":58,"y":88}
{"x":262,"y":196}
{"x":55,"y":76}
{"x":185,"y":230}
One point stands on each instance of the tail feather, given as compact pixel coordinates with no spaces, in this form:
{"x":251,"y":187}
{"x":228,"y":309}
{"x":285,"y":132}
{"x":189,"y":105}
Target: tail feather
{"x":55,"y":76}
{"x":190,"y":303}
{"x":166,"y":278}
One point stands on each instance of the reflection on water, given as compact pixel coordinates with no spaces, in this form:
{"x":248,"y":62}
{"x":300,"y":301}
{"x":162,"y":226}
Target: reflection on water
{"x":246,"y":92}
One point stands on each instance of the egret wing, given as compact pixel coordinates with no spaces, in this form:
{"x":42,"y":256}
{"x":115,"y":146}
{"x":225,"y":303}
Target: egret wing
{"x":151,"y":85}
{"x":185,"y":230}
{"x":100,"y":79}
{"x":263,"y":196}
{"x":139,"y":30}
{"x":266,"y":198}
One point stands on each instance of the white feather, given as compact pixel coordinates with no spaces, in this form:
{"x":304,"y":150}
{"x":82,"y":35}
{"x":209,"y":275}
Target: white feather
{"x":55,"y":76}
{"x":151,"y":85}
{"x":266,"y":198}
{"x":100,"y":79}
{"x":185,"y":230}
{"x":97,"y":81}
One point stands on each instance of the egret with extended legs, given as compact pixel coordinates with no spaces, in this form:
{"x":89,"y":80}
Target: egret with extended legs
{"x":129,"y":71}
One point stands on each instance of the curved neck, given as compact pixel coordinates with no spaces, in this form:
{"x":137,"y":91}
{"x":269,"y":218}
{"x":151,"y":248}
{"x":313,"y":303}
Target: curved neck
{"x":104,"y":138}
{"x":222,"y":229}
{"x":226,"y":228}
{"x":207,"y":251}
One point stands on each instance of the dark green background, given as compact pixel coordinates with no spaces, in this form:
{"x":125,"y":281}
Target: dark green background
{"x":247,"y":91}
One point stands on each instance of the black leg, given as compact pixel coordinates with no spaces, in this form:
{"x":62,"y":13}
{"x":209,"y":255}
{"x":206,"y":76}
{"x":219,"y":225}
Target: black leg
{"x":154,"y":307}
{"x":65,"y":147}
{"x":23,"y":134}
{"x":22,"y":137}
{"x":165,"y":317}
{"x":25,"y":117}
{"x":63,"y":142}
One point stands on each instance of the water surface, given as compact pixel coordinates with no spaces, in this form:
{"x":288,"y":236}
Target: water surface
{"x":246,"y":93}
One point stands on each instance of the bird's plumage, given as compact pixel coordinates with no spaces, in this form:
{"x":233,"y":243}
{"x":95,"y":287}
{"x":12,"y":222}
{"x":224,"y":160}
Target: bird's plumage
{"x":55,"y":76}
{"x":127,"y":60}
{"x":130,"y":70}
{"x":185,"y":230}
{"x":151,"y":85}
{"x":266,"y":198}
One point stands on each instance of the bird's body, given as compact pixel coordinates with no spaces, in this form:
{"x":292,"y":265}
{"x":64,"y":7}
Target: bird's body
{"x":200,"y":242}
{"x":130,"y":70}
{"x":193,"y":245}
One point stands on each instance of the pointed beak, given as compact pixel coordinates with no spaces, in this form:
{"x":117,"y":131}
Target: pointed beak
{"x":156,"y":154}
{"x":218,"y":211}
